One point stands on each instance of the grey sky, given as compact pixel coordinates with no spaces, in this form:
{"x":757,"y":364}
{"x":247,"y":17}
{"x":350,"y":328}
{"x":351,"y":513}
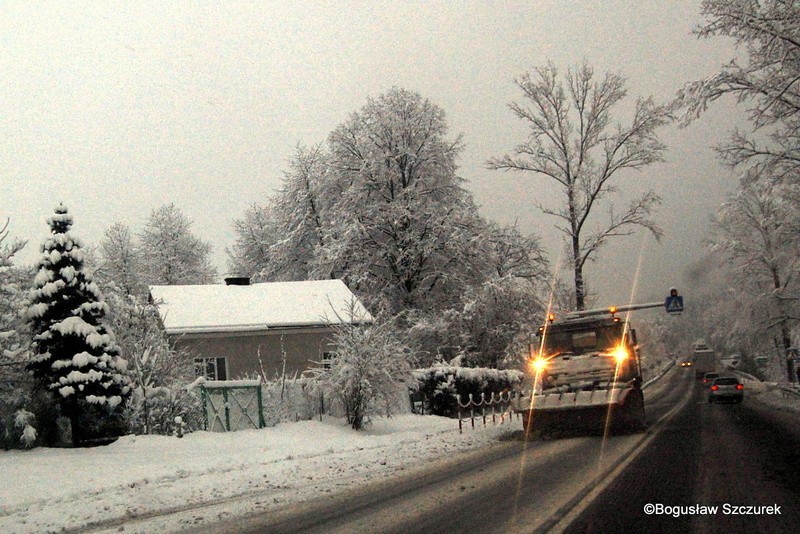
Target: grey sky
{"x":118,"y":109}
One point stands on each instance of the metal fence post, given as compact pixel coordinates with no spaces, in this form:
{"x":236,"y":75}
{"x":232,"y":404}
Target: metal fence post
{"x":261,"y":421}
{"x":458,"y":412}
{"x":471,"y":411}
{"x":204,"y":396}
{"x":227,"y":411}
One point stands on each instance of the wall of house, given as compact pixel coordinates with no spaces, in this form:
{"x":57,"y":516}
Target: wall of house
{"x":303,"y":351}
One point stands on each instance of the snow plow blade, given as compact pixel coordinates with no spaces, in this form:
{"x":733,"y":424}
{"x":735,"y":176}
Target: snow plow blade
{"x":579,"y":413}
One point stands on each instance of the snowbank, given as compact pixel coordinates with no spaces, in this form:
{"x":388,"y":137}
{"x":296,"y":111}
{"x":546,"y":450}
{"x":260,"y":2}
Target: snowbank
{"x":51,"y":489}
{"x":770,"y":394}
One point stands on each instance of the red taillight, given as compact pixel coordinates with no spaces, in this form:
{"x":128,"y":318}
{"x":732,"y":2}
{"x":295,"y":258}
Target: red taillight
{"x":714,"y":388}
{"x":739,"y":386}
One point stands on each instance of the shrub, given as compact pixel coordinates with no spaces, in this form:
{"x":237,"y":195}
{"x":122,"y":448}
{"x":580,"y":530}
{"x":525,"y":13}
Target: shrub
{"x":370,"y":363}
{"x":439,"y":385}
{"x":292,"y":399}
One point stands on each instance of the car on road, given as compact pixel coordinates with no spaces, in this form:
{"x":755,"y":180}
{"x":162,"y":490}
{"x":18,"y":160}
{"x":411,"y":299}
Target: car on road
{"x":708,"y":378}
{"x":726,"y":388}
{"x":686,"y":363}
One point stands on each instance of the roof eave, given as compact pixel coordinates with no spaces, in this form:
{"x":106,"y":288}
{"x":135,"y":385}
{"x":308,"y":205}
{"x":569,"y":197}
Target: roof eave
{"x":243,"y":329}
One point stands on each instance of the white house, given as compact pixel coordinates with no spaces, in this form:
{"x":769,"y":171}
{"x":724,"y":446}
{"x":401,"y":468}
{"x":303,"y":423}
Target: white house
{"x":238,"y":329}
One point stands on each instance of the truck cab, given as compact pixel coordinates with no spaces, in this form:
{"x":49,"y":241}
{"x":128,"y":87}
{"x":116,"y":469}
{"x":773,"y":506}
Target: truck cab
{"x":587,"y":353}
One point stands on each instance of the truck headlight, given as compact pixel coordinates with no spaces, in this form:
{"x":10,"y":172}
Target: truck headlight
{"x":620,"y":354}
{"x":539,"y":364}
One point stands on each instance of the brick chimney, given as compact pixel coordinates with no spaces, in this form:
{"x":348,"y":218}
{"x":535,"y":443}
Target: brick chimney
{"x":237,"y":280}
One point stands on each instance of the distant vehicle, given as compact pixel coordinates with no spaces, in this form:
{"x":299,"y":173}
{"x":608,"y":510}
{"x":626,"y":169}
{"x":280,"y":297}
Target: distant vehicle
{"x":708,"y":378}
{"x":704,"y":360}
{"x":726,"y":388}
{"x":686,"y":363}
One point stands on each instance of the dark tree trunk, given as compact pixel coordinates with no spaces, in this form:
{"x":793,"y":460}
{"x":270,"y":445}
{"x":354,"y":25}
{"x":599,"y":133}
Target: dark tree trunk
{"x":579,"y":290}
{"x":787,"y":340}
{"x":45,"y":408}
{"x":75,"y":427}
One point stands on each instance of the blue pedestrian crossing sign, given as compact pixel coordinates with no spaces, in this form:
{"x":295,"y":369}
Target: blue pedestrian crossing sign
{"x":674,"y":302}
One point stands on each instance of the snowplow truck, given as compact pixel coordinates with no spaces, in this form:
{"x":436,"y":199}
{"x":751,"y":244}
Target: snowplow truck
{"x":585,"y":377}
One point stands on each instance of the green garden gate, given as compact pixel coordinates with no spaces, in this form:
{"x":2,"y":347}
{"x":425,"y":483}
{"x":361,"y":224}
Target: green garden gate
{"x":232,"y":405}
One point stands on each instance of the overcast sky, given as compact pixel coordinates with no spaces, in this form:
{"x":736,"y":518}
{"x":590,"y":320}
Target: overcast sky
{"x":118,"y":109}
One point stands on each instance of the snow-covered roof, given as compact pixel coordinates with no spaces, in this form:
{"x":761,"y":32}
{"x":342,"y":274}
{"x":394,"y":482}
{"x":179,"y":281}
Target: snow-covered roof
{"x":255,"y":307}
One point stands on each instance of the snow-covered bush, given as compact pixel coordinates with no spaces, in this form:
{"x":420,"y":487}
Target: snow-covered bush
{"x":153,"y":410}
{"x":439,"y":385}
{"x":16,"y":387}
{"x":158,"y":374}
{"x":293,"y":399}
{"x":23,"y":422}
{"x":369,"y":364}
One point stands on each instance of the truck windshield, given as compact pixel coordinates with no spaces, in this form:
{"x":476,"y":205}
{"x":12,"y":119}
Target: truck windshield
{"x":580,"y":342}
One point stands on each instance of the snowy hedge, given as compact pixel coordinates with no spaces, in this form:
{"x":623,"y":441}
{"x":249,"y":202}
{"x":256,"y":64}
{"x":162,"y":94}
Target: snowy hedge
{"x":292,"y":399}
{"x":438,"y":385}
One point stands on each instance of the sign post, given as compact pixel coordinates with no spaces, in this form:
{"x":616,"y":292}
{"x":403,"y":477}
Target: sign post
{"x":674,"y":302}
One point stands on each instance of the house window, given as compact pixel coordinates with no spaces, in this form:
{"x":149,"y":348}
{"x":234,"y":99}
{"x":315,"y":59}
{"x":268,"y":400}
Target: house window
{"x":211,"y":368}
{"x":327,"y":359}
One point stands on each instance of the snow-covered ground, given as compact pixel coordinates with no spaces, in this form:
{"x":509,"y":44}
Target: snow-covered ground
{"x":770,"y":394}
{"x":119,"y":485}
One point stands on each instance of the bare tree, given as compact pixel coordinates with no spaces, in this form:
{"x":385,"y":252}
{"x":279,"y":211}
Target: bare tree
{"x":256,"y":233}
{"x":170,"y":253}
{"x":767,"y":79}
{"x":515,"y":254}
{"x":119,"y":261}
{"x":573,"y":143}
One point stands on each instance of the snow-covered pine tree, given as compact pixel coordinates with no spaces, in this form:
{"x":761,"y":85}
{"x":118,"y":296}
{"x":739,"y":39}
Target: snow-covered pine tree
{"x":76,"y":358}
